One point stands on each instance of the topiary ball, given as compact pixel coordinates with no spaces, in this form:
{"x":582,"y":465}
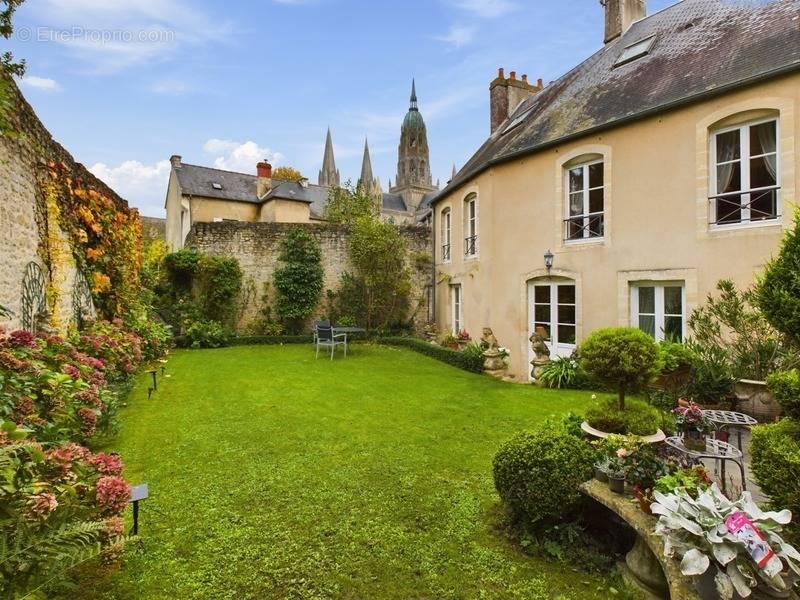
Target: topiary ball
{"x":537,"y":473}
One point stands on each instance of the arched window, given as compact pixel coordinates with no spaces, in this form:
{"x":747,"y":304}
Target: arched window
{"x":585,"y":198}
{"x":471,"y":225}
{"x":745,"y":178}
{"x":446,"y":223}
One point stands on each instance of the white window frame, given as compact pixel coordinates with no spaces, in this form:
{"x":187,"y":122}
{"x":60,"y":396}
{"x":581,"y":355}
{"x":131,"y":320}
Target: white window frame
{"x":471,"y":226}
{"x":457,"y":307}
{"x":447,"y":242}
{"x":556,"y":346}
{"x":744,"y":163}
{"x":585,"y":214}
{"x":659,"y":306}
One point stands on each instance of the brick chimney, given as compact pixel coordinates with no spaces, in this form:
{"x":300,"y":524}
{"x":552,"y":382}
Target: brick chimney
{"x":264,"y":181}
{"x":506,"y":94}
{"x":620,"y":15}
{"x":175,"y":161}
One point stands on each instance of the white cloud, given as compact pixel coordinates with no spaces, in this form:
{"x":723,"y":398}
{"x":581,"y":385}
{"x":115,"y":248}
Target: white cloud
{"x":40,"y":83}
{"x":237,"y":156}
{"x":486,"y":9}
{"x":112,"y":35}
{"x":144,"y":186}
{"x":457,"y":35}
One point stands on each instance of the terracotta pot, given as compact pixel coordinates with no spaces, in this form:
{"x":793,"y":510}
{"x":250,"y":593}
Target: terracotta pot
{"x":616,"y":484}
{"x":723,"y":435}
{"x":645,"y":505}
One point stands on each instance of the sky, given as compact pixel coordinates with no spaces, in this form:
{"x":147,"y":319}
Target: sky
{"x":125,"y":84}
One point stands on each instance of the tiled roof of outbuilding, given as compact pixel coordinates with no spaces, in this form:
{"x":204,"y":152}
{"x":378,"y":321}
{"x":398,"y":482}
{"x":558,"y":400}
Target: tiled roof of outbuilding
{"x":702,"y":47}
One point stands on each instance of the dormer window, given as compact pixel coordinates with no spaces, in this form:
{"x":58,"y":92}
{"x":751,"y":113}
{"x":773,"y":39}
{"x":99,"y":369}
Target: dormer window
{"x":635,"y":51}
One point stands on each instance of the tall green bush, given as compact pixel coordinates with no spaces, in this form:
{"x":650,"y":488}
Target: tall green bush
{"x":377,"y":291}
{"x":775,"y":453}
{"x":347,"y":204}
{"x":778,"y":289}
{"x":625,"y":359}
{"x":785,"y":386}
{"x":298,"y":281}
{"x":537,"y":473}
{"x":219,"y":280}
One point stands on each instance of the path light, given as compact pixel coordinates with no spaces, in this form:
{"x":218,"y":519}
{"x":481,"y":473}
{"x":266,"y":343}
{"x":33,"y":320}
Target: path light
{"x":138,"y":493}
{"x":548,"y":260}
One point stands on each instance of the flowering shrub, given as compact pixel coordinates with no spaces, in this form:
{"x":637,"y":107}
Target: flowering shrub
{"x":118,"y":348}
{"x":60,"y":508}
{"x":692,"y":418}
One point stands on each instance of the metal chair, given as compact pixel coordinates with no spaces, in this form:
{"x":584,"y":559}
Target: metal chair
{"x":326,"y":337}
{"x":320,"y":324}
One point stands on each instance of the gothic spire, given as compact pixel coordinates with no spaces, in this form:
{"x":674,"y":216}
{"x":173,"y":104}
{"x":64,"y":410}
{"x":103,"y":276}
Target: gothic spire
{"x":453,"y":176}
{"x":413,"y":105}
{"x":329,"y":174}
{"x":366,"y":168}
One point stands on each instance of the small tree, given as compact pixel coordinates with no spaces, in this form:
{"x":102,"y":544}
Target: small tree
{"x":298,"y":282}
{"x":778,"y":289}
{"x":286,"y":173}
{"x":348,"y":204}
{"x":377,"y":290}
{"x":624,"y":358}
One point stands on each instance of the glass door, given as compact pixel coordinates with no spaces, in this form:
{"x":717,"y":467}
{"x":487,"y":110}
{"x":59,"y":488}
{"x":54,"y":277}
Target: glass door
{"x":553,"y":307}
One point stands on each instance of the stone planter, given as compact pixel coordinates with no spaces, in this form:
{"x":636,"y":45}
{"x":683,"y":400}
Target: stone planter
{"x":657,"y":437}
{"x":754,"y":398}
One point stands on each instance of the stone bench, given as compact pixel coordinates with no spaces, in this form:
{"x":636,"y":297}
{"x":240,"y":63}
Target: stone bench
{"x":656,"y":574}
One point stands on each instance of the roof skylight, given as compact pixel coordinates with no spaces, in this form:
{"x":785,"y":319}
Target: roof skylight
{"x":634,"y":51}
{"x":216,"y":186}
{"x":517,"y":120}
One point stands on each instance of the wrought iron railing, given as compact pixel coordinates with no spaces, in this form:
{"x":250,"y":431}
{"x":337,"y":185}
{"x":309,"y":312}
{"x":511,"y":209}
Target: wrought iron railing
{"x":730,"y":210}
{"x":471,"y":245}
{"x":445,"y":252}
{"x":581,"y":227}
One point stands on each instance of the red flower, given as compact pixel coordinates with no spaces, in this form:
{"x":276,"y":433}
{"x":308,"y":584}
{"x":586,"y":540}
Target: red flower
{"x":21,"y":339}
{"x":107,"y":464}
{"x":88,"y":419}
{"x":113,"y":494}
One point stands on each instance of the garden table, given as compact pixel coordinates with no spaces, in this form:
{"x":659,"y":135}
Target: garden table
{"x":349,"y":330}
{"x":730,"y":418}
{"x":716,"y":450}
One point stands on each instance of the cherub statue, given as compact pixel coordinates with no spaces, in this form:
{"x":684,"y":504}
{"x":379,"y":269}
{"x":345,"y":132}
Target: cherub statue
{"x":488,"y":341}
{"x":539,"y":345}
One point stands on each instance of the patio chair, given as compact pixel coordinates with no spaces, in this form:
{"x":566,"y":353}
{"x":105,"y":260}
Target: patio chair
{"x":320,"y":324}
{"x":326,"y":337}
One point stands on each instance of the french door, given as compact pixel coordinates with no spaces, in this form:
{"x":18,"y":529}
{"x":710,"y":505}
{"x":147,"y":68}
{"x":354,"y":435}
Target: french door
{"x":552,"y":306}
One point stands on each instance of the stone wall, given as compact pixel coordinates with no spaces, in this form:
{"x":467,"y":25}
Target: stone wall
{"x":256,"y":246}
{"x":29,"y":231}
{"x":154,"y":228}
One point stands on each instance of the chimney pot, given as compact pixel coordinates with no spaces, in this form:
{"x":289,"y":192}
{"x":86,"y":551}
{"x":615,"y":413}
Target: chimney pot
{"x":540,"y":83}
{"x":500,"y":73}
{"x":175,"y":160}
{"x":264,"y":169}
{"x":512,"y":75}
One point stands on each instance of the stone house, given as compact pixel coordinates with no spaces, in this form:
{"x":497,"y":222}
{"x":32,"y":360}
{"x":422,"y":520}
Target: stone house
{"x":197,"y":194}
{"x":620,"y":193}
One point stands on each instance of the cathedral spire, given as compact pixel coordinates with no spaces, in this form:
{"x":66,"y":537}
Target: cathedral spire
{"x":413,"y":102}
{"x":329,"y":174}
{"x":368,"y":182}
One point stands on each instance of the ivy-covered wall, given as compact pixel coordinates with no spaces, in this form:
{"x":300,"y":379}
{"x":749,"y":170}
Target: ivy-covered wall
{"x":57,"y":214}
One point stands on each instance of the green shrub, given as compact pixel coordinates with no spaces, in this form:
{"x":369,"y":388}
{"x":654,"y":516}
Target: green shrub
{"x":775,"y":450}
{"x":346,"y":321}
{"x":563,"y":373}
{"x":268,"y":340}
{"x":473,"y":350}
{"x":537,"y":473}
{"x":219,"y":283}
{"x":711,"y":378}
{"x":206,"y":334}
{"x":778,"y":290}
{"x":467,"y":362}
{"x":785,"y":385}
{"x":298,"y":281}
{"x":181,"y":267}
{"x":676,"y":356}
{"x":624,"y":358}
{"x":638,"y":418}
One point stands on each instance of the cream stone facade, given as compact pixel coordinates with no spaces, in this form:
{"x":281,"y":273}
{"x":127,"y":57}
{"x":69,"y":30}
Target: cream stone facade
{"x":657,"y":231}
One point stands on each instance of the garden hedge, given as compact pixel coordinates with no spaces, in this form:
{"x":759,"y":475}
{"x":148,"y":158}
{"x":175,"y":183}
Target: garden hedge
{"x":775,"y":450}
{"x":255,"y":340}
{"x":467,"y":362}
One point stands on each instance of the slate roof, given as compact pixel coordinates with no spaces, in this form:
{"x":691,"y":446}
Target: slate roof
{"x":702,"y":47}
{"x":196,"y":180}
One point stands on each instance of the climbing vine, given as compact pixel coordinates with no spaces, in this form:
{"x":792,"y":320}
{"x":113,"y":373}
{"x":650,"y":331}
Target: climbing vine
{"x":103,"y":235}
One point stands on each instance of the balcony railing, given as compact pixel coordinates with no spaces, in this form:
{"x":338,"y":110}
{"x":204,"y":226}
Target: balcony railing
{"x":471,"y":245}
{"x":581,"y":227}
{"x":445,"y":252}
{"x":745,"y":207}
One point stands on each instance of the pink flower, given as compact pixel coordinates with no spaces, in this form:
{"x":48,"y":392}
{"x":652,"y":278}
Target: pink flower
{"x":115,"y":527}
{"x":88,"y":419}
{"x":107,"y":464}
{"x":113,"y":494}
{"x":72,"y":371}
{"x":41,"y":505}
{"x":622,"y":453}
{"x":25,"y":406}
{"x":21,"y":338}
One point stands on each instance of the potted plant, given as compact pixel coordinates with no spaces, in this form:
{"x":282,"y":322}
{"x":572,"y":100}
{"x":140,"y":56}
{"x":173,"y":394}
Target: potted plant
{"x":616,"y":475}
{"x":450,"y":341}
{"x":742,"y":543}
{"x":463,"y":338}
{"x":601,"y":469}
{"x":692,"y":423}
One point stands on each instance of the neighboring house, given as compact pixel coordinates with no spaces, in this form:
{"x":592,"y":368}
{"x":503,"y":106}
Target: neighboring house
{"x":623,"y":191}
{"x":198,"y":194}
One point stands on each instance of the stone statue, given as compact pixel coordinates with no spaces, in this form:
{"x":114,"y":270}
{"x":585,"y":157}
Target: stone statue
{"x":493,"y":362}
{"x":489,"y":340}
{"x":540,"y":350}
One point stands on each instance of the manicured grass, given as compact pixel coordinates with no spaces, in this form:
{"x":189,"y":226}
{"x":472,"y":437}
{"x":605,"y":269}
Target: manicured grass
{"x":275,"y":475}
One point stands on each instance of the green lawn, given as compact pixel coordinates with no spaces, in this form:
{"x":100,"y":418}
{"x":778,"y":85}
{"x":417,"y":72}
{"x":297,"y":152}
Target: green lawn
{"x":275,"y":475}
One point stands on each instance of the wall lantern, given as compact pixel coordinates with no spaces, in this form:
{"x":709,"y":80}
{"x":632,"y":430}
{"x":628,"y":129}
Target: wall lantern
{"x":548,"y":260}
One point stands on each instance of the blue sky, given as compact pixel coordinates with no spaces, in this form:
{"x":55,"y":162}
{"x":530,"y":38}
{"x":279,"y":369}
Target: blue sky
{"x":124,"y":84}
